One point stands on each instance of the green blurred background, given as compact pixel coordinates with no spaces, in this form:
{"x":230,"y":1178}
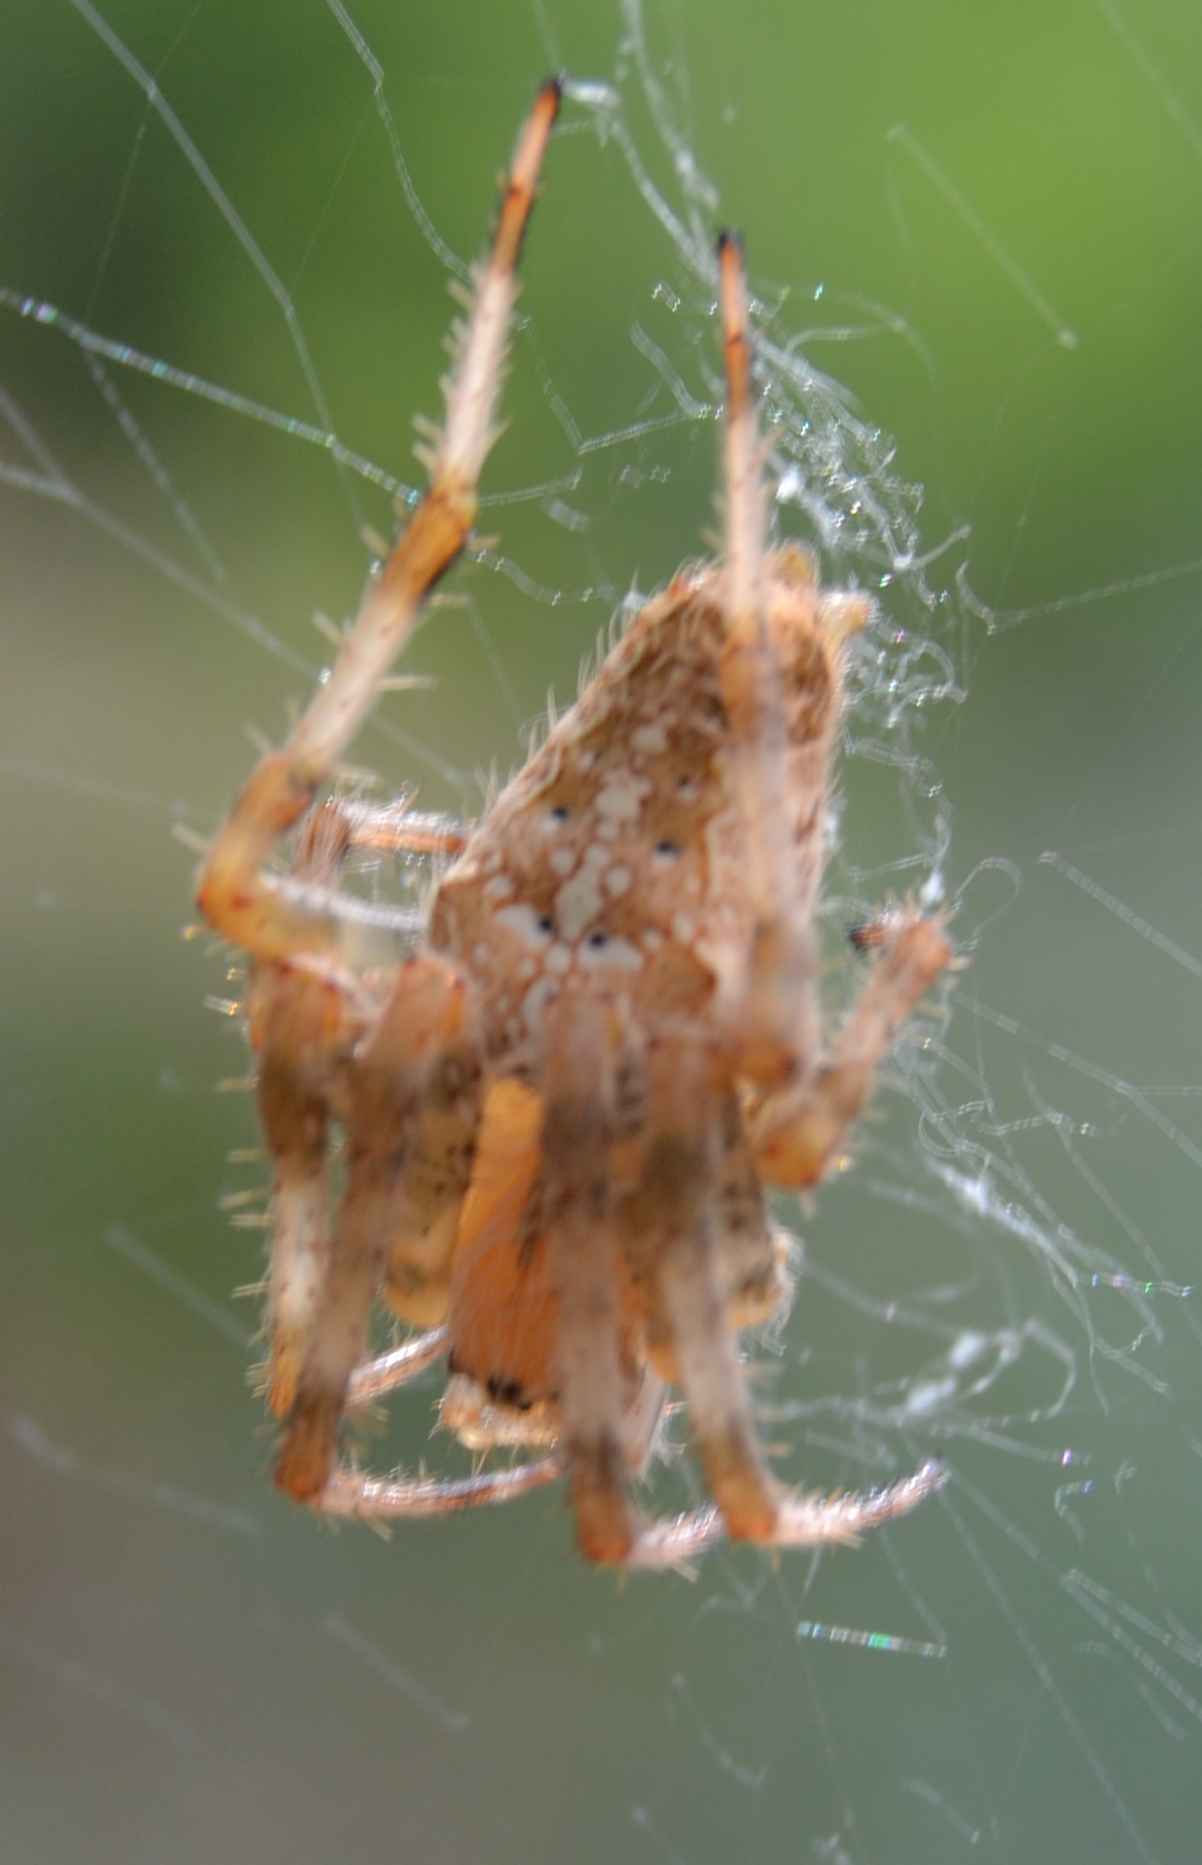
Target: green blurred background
{"x":192,"y":1671}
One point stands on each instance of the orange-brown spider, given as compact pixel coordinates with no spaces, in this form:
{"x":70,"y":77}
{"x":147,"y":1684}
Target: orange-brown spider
{"x":559,"y":1114}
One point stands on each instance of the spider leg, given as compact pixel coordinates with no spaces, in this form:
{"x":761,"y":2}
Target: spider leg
{"x":234,"y":894}
{"x":594,"y":1399}
{"x":796,"y":1132}
{"x":376,"y":1378}
{"x":673,"y":1240}
{"x":300,"y":1027}
{"x":295,"y":1123}
{"x":395,"y":829}
{"x":304,"y":1028}
{"x":805,"y":1521}
{"x":368,"y":932}
{"x":754,"y":1253}
{"x":343,"y":823}
{"x":776,"y":1018}
{"x":424,"y":1015}
{"x":438,"y":1171}
{"x":692,"y":1343}
{"x":383,"y":1498}
{"x":807,"y":1109}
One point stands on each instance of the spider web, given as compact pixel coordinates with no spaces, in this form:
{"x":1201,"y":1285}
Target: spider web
{"x":221,"y":285}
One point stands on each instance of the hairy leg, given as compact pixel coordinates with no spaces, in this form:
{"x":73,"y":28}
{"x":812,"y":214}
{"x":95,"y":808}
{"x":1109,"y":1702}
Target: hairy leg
{"x":797,"y":1133}
{"x":578,"y":1212}
{"x":776,"y":1019}
{"x":375,"y":1379}
{"x":235,"y":895}
{"x":424,"y":1016}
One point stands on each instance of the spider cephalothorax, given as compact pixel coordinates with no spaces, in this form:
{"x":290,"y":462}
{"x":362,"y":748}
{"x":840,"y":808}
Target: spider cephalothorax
{"x":560,"y":1111}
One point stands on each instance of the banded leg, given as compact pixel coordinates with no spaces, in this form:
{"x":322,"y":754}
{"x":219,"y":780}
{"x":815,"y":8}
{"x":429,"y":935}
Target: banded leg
{"x":776,"y":1017}
{"x":234,"y":894}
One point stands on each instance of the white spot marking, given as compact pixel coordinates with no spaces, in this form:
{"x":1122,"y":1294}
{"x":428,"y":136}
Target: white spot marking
{"x":577,"y":902}
{"x":617,"y":881}
{"x":535,"y":1003}
{"x":499,"y":888}
{"x":615,"y":955}
{"x":523,"y":921}
{"x":561,"y":860}
{"x":620,"y":798}
{"x":559,"y":959}
{"x":649,"y":738}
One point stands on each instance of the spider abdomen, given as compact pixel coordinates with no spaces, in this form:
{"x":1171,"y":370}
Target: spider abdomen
{"x":615,"y":859}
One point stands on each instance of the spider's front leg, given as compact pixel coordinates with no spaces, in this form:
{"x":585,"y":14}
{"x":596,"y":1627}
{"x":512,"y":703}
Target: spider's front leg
{"x":235,"y":895}
{"x":781,"y":681}
{"x":774,"y":1013}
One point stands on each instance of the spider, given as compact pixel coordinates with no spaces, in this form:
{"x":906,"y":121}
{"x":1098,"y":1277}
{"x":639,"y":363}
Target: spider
{"x":559,"y":1112}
